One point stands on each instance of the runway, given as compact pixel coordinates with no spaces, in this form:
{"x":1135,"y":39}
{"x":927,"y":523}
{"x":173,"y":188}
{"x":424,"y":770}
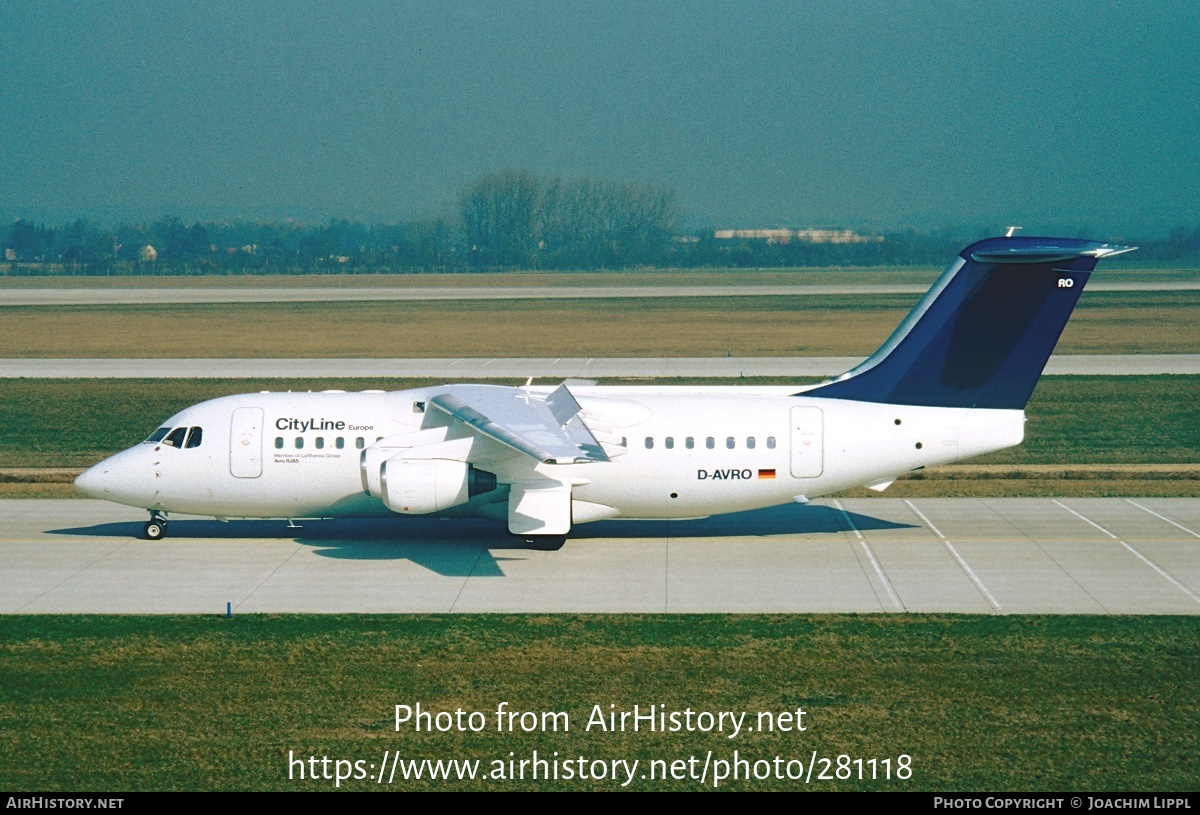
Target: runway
{"x":557,"y":368}
{"x":989,"y":556}
{"x":164,"y":296}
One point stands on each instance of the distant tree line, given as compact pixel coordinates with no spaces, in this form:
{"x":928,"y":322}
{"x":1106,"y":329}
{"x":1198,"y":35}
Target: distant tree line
{"x":505,"y":221}
{"x":525,"y":221}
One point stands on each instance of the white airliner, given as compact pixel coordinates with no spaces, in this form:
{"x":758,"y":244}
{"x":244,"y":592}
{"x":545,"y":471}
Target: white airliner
{"x":951,"y":382}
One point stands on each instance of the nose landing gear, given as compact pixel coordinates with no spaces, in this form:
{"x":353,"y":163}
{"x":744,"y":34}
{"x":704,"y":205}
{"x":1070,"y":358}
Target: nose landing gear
{"x":155,"y":528}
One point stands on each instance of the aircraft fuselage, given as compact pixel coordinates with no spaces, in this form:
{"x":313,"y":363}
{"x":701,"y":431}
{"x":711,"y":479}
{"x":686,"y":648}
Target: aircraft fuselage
{"x":688,"y":453}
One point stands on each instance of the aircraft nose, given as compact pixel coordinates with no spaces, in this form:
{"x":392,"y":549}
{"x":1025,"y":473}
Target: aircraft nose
{"x":91,"y":481}
{"x":126,"y":478}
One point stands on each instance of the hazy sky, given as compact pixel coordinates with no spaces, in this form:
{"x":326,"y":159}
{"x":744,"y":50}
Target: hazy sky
{"x":1083,"y":114}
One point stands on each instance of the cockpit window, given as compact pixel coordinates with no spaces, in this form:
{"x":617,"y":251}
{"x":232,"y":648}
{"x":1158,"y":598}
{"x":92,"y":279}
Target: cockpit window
{"x":175,"y":437}
{"x":194,"y":437}
{"x":157,"y":435}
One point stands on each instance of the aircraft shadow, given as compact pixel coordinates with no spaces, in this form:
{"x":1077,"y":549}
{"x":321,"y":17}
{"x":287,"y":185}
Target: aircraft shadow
{"x":451,"y":547}
{"x":474,"y":547}
{"x":789,"y":519}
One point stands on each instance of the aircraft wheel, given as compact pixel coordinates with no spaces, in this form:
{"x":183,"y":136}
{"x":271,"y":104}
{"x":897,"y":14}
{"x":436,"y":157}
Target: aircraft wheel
{"x":545,"y":543}
{"x":155,"y":530}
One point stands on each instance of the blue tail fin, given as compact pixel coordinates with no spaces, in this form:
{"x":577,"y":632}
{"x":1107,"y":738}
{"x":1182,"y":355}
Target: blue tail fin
{"x":981,"y":336}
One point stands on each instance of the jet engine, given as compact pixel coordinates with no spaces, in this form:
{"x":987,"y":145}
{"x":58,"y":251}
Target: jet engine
{"x":416,"y":486}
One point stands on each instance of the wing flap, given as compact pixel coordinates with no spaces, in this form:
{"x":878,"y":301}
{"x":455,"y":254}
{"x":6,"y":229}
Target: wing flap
{"x":546,"y":428}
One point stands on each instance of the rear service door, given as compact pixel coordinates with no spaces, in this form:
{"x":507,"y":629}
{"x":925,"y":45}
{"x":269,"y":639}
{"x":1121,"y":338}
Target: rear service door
{"x":246,"y":443}
{"x":808,"y":442}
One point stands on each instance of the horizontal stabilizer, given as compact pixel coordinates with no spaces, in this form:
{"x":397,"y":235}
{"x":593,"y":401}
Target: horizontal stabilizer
{"x":1038,"y":253}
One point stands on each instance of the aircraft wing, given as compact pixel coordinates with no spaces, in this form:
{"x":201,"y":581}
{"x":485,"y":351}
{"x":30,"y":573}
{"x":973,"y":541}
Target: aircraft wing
{"x":544,"y":427}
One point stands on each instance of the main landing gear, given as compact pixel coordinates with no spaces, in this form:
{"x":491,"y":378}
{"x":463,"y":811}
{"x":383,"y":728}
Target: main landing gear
{"x":545,"y":543}
{"x":155,"y":528}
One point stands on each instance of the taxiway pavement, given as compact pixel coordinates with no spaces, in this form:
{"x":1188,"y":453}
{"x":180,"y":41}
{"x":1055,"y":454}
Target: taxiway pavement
{"x":991,"y":556}
{"x":191,"y":295}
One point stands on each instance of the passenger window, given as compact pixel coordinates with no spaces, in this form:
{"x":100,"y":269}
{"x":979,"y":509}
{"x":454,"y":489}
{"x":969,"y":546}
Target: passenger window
{"x":340,"y":443}
{"x":649,"y":443}
{"x":359,"y":443}
{"x":157,"y":435}
{"x":195,"y":437}
{"x":175,"y":437}
{"x":729,"y":442}
{"x":710,"y":442}
{"x":770,"y":442}
{"x":299,"y":442}
{"x":320,"y":442}
{"x":749,"y":442}
{"x":689,"y":442}
{"x":670,"y":442}
{"x":279,"y":442}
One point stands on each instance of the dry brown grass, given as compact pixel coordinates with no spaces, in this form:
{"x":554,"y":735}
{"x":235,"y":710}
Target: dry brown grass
{"x":39,"y":491}
{"x":1134,"y":323}
{"x":1028,"y":481}
{"x":768,"y":326}
{"x":654,"y":327}
{"x":990,"y":488}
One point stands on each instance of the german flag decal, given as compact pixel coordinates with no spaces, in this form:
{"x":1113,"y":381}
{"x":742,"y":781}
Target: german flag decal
{"x":766,"y":473}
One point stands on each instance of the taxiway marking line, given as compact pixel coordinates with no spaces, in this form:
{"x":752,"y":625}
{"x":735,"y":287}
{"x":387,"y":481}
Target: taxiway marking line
{"x":883,"y":578}
{"x":1162,"y":518}
{"x":962,"y":563}
{"x":1142,"y":557}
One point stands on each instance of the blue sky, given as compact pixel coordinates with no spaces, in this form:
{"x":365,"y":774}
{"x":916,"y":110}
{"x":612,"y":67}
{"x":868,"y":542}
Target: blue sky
{"x":1072,"y":115}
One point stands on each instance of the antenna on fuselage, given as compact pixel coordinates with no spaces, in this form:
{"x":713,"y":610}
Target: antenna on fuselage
{"x":1012,"y":230}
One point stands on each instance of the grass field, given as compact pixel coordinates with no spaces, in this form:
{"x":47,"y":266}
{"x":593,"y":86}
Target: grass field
{"x":978,"y":703}
{"x":1104,"y":323}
